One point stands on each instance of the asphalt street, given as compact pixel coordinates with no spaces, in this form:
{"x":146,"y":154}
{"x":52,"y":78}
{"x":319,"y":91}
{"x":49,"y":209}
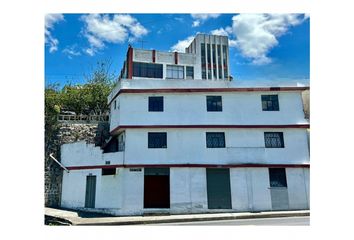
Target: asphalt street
{"x":283,"y":221}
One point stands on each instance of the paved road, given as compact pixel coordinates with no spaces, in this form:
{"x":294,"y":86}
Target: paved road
{"x":284,"y":221}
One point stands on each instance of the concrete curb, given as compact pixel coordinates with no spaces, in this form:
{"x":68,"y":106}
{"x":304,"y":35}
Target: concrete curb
{"x":193,"y":219}
{"x":71,"y":218}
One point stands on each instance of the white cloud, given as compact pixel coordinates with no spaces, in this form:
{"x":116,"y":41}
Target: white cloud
{"x":256,"y":34}
{"x":222,"y":31}
{"x":71,"y":51}
{"x":196,"y":23}
{"x":181,"y":45}
{"x":50,"y":21}
{"x":101,"y":29}
{"x":202,"y":17}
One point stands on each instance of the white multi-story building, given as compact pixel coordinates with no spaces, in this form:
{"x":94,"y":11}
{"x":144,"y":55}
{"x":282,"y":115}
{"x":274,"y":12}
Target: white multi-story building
{"x":186,"y":139}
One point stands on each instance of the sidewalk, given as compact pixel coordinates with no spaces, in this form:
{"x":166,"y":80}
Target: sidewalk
{"x":81,"y":218}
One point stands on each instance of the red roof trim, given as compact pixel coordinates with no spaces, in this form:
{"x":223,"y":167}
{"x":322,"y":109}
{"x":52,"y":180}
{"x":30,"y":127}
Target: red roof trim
{"x":306,"y":126}
{"x":207,"y":90}
{"x":191,"y":166}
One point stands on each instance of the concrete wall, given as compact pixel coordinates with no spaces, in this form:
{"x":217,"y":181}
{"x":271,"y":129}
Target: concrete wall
{"x":191,"y":109}
{"x":188,"y":190}
{"x":242,"y":146}
{"x":123,"y":194}
{"x":83,"y":154}
{"x":167,"y":58}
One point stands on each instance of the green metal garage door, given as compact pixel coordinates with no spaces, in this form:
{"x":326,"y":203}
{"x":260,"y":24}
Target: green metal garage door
{"x":90,"y":195}
{"x":218,"y":188}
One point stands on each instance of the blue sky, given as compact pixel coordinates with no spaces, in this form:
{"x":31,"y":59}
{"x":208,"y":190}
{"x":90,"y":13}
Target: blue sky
{"x":263,"y":47}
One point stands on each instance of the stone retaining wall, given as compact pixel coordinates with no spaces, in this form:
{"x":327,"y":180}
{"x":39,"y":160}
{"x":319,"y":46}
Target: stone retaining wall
{"x":66,"y":133}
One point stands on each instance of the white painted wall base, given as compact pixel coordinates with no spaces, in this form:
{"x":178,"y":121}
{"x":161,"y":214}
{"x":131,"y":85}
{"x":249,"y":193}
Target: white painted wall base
{"x":123,"y":193}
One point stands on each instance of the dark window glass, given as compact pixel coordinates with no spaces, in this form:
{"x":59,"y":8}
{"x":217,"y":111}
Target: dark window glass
{"x":214,"y":61}
{"x":189,"y":72}
{"x":219,"y":61}
{"x":208,"y":53}
{"x":209,"y":60}
{"x":148,"y":70}
{"x":202,"y":47}
{"x":277,"y":177}
{"x":214,"y":104}
{"x":203,"y":72}
{"x":224,"y":60}
{"x":203,"y":60}
{"x":273,"y":139}
{"x":270,"y":103}
{"x":115,"y":104}
{"x":215,"y":140}
{"x":121,"y":142}
{"x":108,"y":171}
{"x":157,"y":140}
{"x":155,"y":104}
{"x":111,"y":146}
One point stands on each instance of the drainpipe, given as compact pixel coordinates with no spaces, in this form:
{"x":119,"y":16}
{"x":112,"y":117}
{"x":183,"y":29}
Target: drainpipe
{"x":61,"y":165}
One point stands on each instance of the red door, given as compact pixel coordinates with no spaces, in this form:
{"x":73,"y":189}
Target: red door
{"x":156,"y":191}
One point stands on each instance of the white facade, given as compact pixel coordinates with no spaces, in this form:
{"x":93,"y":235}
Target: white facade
{"x":184,"y":159}
{"x":123,"y":193}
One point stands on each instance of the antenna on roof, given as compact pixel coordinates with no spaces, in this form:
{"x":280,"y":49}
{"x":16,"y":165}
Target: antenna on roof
{"x":142,"y":43}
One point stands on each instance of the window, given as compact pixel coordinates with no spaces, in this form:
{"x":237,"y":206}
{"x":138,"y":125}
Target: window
{"x":209,"y":60}
{"x":215,"y":139}
{"x":189,"y":72}
{"x":121,"y":142}
{"x":270,"y":103}
{"x":214,"y":104}
{"x":203,"y":60}
{"x":155,"y":104}
{"x":277,"y":177}
{"x":148,"y":70}
{"x":176,"y":72}
{"x":202,"y":47}
{"x":108,"y":171}
{"x":157,"y":140}
{"x":214,"y":61}
{"x":273,"y":140}
{"x":219,"y":61}
{"x":115,"y":104}
{"x":224,"y":56}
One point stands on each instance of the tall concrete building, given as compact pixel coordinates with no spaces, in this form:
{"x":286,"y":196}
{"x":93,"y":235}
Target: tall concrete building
{"x":186,"y":139}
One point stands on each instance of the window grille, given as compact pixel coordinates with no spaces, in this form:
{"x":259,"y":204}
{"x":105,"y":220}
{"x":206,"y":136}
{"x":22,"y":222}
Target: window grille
{"x":215,"y":139}
{"x":274,"y":139}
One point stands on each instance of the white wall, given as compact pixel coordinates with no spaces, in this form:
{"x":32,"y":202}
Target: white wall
{"x":189,"y":146}
{"x":296,"y":188}
{"x":188,"y":191}
{"x":191,"y":109}
{"x":261,"y":199}
{"x":74,"y":187}
{"x":123,"y":194}
{"x":239,"y":189}
{"x":133,"y":193}
{"x":83,"y":154}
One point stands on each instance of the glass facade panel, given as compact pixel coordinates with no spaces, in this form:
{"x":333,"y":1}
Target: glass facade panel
{"x":148,"y":70}
{"x":189,"y":72}
{"x":175,"y":72}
